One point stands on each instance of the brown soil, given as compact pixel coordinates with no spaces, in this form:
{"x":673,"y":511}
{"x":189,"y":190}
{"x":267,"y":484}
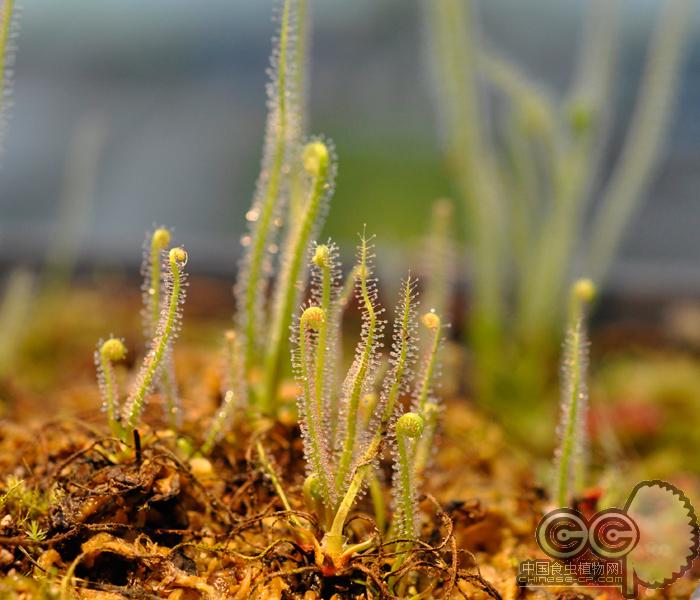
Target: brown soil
{"x":156,"y":522}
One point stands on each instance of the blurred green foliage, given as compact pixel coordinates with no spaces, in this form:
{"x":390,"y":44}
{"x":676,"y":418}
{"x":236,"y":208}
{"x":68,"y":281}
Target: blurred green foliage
{"x":387,"y":183}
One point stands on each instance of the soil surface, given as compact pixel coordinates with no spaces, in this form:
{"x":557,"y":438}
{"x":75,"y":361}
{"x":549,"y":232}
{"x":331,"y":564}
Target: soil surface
{"x":84,"y":516}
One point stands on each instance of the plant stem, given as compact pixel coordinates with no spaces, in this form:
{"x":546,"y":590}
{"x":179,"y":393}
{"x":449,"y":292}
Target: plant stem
{"x":432,"y":321}
{"x":232,"y":376}
{"x":277,"y":485}
{"x":153,"y":300}
{"x":377,"y":494}
{"x":295,"y":250}
{"x":408,"y":428}
{"x":152,"y":287}
{"x":217,"y":425}
{"x":571,"y":419}
{"x":453,"y":36}
{"x":399,"y":367}
{"x":108,"y":352}
{"x":110,"y":395}
{"x":368,"y":404}
{"x":297,"y":125}
{"x":166,"y":329}
{"x":424,"y":446}
{"x":428,"y":410}
{"x":322,"y":344}
{"x":312,"y":318}
{"x":270,"y":181}
{"x":335,"y":534}
{"x":574,"y":390}
{"x":337,"y":310}
{"x":345,"y":461}
{"x":403,"y":334}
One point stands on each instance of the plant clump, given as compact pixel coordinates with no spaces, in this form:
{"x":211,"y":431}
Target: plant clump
{"x":344,"y":440}
{"x":525,"y":183}
{"x":348,"y":422}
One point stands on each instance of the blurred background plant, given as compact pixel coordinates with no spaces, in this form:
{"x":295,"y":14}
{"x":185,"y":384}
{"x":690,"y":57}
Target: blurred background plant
{"x":527,"y":164}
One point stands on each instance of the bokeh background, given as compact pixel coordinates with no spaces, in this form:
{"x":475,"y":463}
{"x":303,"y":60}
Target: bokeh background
{"x":172,"y":92}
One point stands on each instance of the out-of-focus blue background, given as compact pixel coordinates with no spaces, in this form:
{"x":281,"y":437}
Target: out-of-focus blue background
{"x":180,"y":85}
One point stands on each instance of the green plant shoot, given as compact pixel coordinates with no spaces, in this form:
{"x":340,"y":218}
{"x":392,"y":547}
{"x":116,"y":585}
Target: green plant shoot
{"x":425,"y":402}
{"x":269,"y":195}
{"x":364,"y":362}
{"x":153,"y":298}
{"x":319,"y":166}
{"x":409,"y":427}
{"x":113,"y":350}
{"x":167,"y":330}
{"x":233,"y":392}
{"x":574,"y":399}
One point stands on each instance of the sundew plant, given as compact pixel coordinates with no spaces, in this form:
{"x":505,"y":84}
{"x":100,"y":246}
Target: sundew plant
{"x":529,"y":194}
{"x":347,"y":421}
{"x":571,"y":453}
{"x":350,"y":418}
{"x":125,"y":418}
